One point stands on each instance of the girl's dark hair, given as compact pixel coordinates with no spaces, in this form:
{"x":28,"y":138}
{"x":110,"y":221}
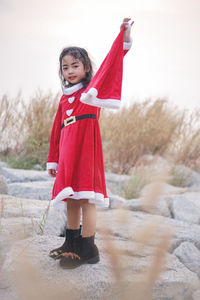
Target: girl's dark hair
{"x":82,"y":55}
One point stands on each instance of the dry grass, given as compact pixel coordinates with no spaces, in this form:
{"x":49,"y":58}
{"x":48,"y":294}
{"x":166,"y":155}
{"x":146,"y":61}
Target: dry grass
{"x":187,"y":145}
{"x":136,"y":183}
{"x":41,"y":224}
{"x":144,"y":128}
{"x":148,"y":128}
{"x":11,"y":122}
{"x":26,"y":128}
{"x":180,"y":176}
{"x":38,"y":121}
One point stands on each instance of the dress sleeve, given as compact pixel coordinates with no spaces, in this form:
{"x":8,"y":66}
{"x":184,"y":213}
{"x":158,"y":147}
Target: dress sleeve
{"x":53,"y":157}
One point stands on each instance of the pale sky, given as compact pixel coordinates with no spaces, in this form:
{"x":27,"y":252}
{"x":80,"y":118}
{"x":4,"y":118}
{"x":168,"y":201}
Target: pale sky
{"x":164,"y":60}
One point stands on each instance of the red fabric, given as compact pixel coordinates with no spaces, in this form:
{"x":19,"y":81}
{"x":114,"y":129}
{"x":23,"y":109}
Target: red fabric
{"x":108,"y":79}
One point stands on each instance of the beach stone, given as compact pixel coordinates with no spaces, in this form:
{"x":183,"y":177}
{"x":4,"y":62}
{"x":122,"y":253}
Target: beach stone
{"x":160,"y":207}
{"x":189,"y":212}
{"x":18,"y":175}
{"x":96,"y":281}
{"x":3,"y":164}
{"x":196,"y":295}
{"x":115,"y":201}
{"x":115,"y":183}
{"x":132,"y":221}
{"x":167,"y":190}
{"x":37,"y":167}
{"x":192,"y":195}
{"x":189,"y":255}
{"x":41,"y":190}
{"x":175,"y":282}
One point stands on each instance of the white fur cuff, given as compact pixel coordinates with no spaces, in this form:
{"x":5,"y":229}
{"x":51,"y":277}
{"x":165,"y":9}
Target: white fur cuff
{"x":127,"y":45}
{"x":52,"y":165}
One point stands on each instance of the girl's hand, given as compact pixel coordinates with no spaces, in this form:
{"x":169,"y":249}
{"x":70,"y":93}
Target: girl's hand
{"x":52,"y":172}
{"x":127,"y":31}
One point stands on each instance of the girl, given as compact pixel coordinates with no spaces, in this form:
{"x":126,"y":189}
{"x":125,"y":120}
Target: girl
{"x":75,"y":152}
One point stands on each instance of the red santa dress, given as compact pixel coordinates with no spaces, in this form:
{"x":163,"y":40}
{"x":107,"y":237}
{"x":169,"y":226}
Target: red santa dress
{"x":76,"y":150}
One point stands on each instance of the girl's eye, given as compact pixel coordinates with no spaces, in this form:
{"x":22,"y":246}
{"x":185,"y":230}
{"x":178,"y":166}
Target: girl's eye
{"x":76,"y":66}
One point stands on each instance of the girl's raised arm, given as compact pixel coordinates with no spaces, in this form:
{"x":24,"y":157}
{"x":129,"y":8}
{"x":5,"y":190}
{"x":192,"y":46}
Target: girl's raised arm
{"x":127,"y":31}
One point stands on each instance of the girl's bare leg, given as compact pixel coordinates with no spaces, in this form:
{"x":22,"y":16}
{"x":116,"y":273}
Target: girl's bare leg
{"x":89,"y":218}
{"x":73,"y":214}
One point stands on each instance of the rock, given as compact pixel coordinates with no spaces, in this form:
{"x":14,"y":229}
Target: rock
{"x":160,"y":207}
{"x":41,"y":190}
{"x":22,"y":217}
{"x":116,"y":201}
{"x":185,"y":233}
{"x":115,"y":182}
{"x":111,"y":219}
{"x":125,"y":224}
{"x":196,"y":180}
{"x":37,"y":167}
{"x":3,"y":164}
{"x":182,"y":176}
{"x":17,"y":175}
{"x":35,"y":216}
{"x":185,"y":210}
{"x":191,"y":177}
{"x":189,"y":255}
{"x":193,"y":195}
{"x":28,"y":183}
{"x":167,"y":190}
{"x":3,"y":185}
{"x":95,"y":281}
{"x":55,"y":222}
{"x":176,"y":282}
{"x":196,"y":295}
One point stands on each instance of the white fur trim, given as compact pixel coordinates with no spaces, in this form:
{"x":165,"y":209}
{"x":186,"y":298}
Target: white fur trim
{"x":127,"y":45}
{"x":72,"y":89}
{"x":94,"y":198}
{"x":52,"y":165}
{"x":91,"y":98}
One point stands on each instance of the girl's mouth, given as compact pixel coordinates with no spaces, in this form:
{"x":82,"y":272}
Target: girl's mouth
{"x":72,"y":77}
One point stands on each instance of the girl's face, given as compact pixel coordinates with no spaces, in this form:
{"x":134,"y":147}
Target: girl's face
{"x":73,"y":69}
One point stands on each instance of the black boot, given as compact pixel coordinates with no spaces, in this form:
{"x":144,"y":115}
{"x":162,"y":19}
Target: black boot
{"x":85,"y":252}
{"x":68,"y":245}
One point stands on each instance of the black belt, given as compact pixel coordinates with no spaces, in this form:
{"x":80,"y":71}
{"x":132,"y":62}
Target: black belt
{"x":73,"y":119}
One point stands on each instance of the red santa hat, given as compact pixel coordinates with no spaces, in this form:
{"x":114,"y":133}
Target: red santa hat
{"x":104,"y":90}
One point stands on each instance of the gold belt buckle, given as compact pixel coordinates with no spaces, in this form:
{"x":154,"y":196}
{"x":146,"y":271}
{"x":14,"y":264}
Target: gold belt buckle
{"x":70,"y":120}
